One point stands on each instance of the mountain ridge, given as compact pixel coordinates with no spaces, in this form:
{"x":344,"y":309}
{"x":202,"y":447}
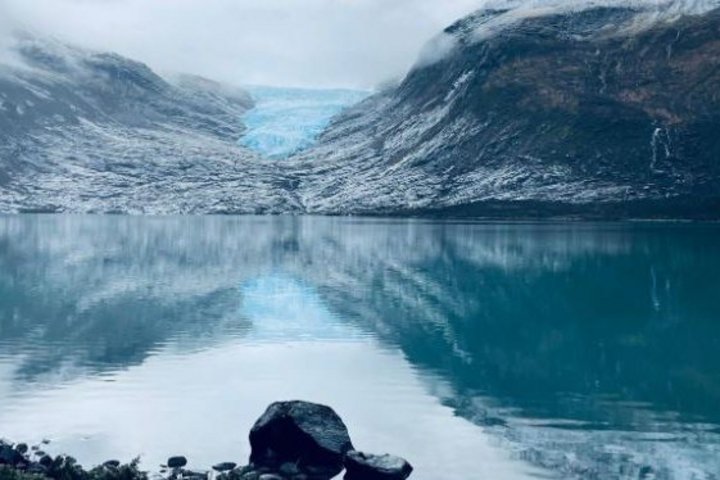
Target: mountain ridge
{"x":90,"y":132}
{"x":601,"y":112}
{"x":535,"y":114}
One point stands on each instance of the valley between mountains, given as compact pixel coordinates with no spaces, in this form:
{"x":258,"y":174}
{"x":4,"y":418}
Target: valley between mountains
{"x":602,"y":112}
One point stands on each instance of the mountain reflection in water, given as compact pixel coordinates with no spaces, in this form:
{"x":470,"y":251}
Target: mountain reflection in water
{"x":473,"y":349}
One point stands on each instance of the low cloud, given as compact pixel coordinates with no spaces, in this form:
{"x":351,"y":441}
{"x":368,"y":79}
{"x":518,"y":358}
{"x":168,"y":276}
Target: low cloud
{"x":311,"y":43}
{"x":651,"y":12}
{"x":315,"y":43}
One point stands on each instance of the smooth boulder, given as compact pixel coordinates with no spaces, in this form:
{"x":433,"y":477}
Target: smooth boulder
{"x":309,"y":435}
{"x":366,"y":466}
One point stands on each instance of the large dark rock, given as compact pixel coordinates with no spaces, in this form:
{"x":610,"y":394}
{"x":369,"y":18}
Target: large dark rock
{"x":309,"y":435}
{"x":365,"y":466}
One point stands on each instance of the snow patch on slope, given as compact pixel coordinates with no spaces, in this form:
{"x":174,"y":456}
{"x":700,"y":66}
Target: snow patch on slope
{"x":498,"y":16}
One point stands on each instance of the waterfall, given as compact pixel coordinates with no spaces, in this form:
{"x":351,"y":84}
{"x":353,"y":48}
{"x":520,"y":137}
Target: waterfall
{"x":660,"y":145}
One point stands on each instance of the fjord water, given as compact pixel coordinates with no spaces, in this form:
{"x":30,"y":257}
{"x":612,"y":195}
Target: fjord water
{"x":476,"y":350}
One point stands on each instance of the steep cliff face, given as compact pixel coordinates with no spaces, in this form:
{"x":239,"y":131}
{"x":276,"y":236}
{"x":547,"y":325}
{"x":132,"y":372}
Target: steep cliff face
{"x":604,"y":111}
{"x":83,"y":131}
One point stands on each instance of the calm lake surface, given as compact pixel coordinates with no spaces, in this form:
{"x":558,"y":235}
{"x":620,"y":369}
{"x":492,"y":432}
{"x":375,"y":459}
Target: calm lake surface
{"x":477,"y":351}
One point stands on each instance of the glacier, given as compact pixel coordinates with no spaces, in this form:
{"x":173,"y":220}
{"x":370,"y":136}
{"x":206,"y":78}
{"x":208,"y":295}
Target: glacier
{"x":285,"y":121}
{"x":576,"y":114}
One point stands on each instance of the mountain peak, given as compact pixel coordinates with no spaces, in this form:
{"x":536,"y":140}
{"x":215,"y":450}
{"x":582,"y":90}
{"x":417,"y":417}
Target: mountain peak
{"x":589,"y":111}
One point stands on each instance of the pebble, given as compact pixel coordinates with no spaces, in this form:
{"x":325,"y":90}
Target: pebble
{"x":177,"y":462}
{"x":224,"y":466}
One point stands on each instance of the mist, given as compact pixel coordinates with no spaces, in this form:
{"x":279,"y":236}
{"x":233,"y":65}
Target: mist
{"x":308,"y":43}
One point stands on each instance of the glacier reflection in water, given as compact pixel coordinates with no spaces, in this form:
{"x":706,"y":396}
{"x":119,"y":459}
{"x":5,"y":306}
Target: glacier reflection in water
{"x":476,"y":350}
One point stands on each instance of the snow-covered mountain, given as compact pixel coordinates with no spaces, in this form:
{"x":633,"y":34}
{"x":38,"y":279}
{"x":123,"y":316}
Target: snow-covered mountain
{"x":607,"y":110}
{"x":84,"y":131}
{"x":596,"y":109}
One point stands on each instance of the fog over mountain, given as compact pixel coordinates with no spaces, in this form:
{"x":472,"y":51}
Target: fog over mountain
{"x":591,"y":109}
{"x":355,"y":43}
{"x":597,"y":109}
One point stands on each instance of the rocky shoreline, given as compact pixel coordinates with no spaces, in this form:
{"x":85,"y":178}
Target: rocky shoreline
{"x":292,"y":440}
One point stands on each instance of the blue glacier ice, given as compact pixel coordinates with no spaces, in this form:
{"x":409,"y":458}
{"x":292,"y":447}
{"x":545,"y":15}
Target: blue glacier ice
{"x":287,"y":120}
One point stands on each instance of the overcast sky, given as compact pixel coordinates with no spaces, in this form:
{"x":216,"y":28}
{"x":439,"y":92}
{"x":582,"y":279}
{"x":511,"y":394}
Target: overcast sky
{"x":317,"y":43}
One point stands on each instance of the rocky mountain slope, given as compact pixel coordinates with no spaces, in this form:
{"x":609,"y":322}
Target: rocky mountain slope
{"x":83,"y":131}
{"x":607,"y":111}
{"x":519,"y":112}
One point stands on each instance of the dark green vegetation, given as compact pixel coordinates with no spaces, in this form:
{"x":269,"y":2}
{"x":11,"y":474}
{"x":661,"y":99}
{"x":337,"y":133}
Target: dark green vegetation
{"x":10,"y":473}
{"x":18,"y":462}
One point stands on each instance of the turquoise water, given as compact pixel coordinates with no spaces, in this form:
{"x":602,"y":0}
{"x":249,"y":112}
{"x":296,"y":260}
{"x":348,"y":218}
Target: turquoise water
{"x":504,"y":351}
{"x":287,"y":120}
